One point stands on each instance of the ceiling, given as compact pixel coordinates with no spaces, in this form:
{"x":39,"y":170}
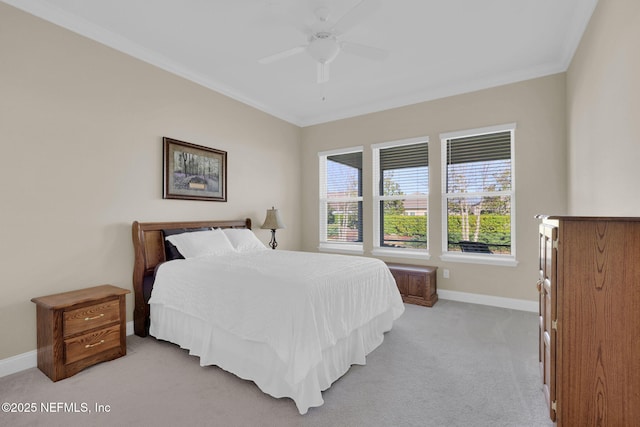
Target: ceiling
{"x":436,"y":48}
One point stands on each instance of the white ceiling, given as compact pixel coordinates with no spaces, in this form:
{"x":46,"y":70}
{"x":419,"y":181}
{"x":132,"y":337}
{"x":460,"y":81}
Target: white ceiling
{"x":436,"y":48}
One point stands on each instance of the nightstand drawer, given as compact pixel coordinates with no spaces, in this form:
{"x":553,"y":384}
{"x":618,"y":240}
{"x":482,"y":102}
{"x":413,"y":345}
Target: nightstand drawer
{"x":87,"y":345}
{"x":93,"y":316}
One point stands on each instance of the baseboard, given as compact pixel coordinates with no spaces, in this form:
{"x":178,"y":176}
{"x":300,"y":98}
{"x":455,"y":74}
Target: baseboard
{"x":28,"y":360}
{"x":514,"y":304}
{"x":18,"y":363}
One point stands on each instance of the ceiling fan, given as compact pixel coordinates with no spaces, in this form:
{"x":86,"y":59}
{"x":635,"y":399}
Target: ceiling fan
{"x":324,"y":39}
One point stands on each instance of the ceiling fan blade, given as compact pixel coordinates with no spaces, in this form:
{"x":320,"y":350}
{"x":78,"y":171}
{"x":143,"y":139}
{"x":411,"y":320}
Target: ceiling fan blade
{"x":365,"y":51}
{"x":354,"y":16}
{"x":323,"y":72}
{"x":280,"y":55}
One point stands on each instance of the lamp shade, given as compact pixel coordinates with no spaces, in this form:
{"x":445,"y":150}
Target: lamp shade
{"x":273,"y":220}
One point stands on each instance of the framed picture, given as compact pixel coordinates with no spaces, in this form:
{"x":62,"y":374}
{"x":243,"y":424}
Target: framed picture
{"x":194,"y":172}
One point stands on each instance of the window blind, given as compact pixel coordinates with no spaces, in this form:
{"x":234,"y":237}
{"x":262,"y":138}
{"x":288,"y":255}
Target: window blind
{"x":344,"y":175}
{"x":402,"y":196}
{"x":406,"y":156}
{"x":479,"y":192}
{"x":404,"y":170}
{"x":479,"y":163}
{"x":478,"y":148}
{"x":343,"y":202}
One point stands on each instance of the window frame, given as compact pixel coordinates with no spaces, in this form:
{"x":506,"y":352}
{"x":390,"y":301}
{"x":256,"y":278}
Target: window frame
{"x":490,"y":259}
{"x":377,"y":198}
{"x":324,"y":245}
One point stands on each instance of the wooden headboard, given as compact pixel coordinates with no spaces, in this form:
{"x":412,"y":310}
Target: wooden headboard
{"x":148,"y":246}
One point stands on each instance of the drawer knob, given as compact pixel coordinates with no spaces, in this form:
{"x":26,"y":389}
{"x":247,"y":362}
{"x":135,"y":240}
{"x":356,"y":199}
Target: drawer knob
{"x":94,"y":317}
{"x":93,"y":345}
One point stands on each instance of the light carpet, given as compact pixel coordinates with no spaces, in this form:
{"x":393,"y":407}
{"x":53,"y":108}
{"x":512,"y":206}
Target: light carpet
{"x":454,"y":364}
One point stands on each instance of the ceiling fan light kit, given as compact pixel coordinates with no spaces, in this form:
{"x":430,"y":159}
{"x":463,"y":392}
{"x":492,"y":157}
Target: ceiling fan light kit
{"x":323,"y":47}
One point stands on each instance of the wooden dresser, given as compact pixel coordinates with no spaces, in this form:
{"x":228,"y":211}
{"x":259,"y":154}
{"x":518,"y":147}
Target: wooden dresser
{"x":80,"y":328}
{"x":589,"y":284}
{"x":417,"y":284}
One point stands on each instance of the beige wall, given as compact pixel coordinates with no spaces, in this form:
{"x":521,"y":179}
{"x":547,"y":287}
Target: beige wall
{"x":536,"y":106}
{"x":81,"y":128}
{"x":603,"y":112}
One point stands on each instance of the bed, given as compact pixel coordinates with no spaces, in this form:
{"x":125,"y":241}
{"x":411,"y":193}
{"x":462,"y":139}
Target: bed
{"x":291,"y":322}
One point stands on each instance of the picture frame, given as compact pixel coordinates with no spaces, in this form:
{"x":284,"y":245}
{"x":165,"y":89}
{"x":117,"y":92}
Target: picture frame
{"x":193,"y":172}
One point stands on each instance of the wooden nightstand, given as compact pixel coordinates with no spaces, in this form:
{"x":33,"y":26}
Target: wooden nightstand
{"x":80,"y":328}
{"x":417,"y":284}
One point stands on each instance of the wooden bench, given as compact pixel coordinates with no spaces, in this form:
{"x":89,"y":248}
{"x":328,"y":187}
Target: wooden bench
{"x":416,"y":283}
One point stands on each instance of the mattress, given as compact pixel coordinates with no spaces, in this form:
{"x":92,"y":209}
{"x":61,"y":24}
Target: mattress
{"x":292,"y":322}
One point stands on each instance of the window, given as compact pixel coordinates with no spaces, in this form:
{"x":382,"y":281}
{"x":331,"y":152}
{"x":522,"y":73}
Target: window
{"x":401,"y":192}
{"x":341,"y":200}
{"x":478,"y":195}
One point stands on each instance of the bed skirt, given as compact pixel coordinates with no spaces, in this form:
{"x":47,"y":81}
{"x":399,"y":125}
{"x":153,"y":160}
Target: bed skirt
{"x":256,"y":361}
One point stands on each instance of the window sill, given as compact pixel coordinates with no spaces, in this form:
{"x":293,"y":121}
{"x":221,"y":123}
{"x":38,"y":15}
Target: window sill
{"x":352,"y":249}
{"x":400,"y":253}
{"x":500,"y":260}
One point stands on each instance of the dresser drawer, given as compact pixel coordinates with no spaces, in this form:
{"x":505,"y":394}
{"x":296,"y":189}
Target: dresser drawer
{"x":93,"y":316}
{"x":87,"y":345}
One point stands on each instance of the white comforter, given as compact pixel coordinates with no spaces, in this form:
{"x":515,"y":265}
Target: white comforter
{"x":297,"y":303}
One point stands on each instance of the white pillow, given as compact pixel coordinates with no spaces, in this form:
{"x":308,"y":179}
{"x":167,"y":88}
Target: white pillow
{"x":243,"y":240}
{"x":201,"y":243}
